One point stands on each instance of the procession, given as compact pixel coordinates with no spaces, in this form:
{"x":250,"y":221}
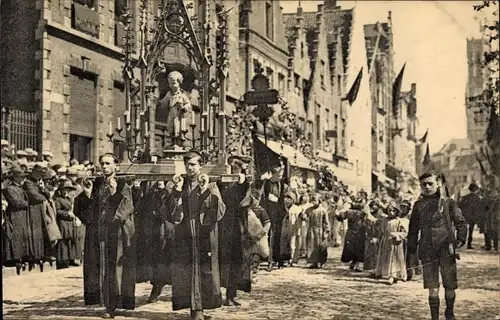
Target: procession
{"x":167,"y":189}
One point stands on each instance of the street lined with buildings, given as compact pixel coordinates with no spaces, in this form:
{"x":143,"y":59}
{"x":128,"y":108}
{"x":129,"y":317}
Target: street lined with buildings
{"x":175,"y":147}
{"x":336,"y":76}
{"x":290,"y":293}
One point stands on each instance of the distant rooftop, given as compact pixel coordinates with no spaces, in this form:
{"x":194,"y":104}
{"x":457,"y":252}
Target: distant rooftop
{"x":455,"y":145}
{"x":337,"y":20}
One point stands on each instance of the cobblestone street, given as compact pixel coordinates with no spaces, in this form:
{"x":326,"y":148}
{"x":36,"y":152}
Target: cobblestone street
{"x":290,"y":293}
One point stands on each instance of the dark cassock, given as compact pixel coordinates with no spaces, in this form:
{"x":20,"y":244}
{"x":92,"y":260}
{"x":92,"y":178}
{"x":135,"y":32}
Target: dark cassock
{"x":16,"y":229}
{"x":234,"y":245}
{"x":273,"y":200}
{"x":110,"y":259}
{"x":161,"y":235}
{"x":143,"y":225}
{"x":195,"y":261}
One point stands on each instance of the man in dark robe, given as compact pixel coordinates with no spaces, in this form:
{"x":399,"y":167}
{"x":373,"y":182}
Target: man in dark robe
{"x":143,"y":223}
{"x":234,"y":245}
{"x":434,"y":218}
{"x":161,"y":235}
{"x":110,"y":257}
{"x":197,"y":208}
{"x":273,"y":200}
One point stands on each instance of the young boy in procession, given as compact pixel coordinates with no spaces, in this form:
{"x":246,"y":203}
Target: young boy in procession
{"x":290,"y":232}
{"x":372,"y":241}
{"x":318,"y":233}
{"x":354,"y":244}
{"x":434,"y":219}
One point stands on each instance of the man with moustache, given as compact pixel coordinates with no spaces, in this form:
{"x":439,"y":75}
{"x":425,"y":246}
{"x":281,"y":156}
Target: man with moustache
{"x":434,"y":218}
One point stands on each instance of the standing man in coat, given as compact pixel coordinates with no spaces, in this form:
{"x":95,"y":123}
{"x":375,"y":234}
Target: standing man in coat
{"x":16,"y":229}
{"x":435,"y":218}
{"x":234,"y":245}
{"x":37,"y":196}
{"x":472,"y":210}
{"x":197,"y":208}
{"x":106,"y":209}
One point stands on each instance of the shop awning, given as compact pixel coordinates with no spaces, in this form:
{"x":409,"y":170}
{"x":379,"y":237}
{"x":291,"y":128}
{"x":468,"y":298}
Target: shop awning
{"x":382,"y":178}
{"x":295,"y":158}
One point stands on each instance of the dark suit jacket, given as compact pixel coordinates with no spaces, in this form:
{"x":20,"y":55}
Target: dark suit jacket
{"x":472,"y":208}
{"x":430,"y":224}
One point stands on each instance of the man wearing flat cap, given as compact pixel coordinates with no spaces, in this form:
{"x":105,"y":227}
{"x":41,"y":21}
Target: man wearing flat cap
{"x":196,"y":208}
{"x":22,"y":158}
{"x":106,"y":209}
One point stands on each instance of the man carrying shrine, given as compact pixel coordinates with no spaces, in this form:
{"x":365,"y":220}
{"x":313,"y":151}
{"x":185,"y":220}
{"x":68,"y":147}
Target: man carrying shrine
{"x":106,"y":209}
{"x":197,"y":208}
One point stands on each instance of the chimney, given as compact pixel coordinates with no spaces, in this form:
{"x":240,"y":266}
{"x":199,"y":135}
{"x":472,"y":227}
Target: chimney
{"x":389,"y":17}
{"x":413,"y":89}
{"x":320,"y":7}
{"x":331,"y":4}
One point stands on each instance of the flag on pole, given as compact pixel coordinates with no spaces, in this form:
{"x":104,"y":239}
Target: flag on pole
{"x":493,"y":130}
{"x":396,"y":90}
{"x":481,"y":166}
{"x":424,"y":137}
{"x":353,"y":92}
{"x":427,"y":157}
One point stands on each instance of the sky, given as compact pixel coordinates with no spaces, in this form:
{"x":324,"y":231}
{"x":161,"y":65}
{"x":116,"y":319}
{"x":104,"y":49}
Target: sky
{"x":430,"y":36}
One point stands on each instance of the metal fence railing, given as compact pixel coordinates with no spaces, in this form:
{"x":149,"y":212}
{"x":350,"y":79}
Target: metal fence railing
{"x":20,"y":128}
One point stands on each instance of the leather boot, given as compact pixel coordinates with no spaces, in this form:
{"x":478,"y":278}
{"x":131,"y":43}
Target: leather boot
{"x":434,"y":307}
{"x":450,"y":303}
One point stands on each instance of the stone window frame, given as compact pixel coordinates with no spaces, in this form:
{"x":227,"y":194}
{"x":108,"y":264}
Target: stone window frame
{"x":83,"y":64}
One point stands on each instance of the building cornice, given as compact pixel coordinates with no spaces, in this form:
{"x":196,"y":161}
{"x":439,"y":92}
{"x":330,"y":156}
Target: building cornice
{"x":81,"y":39}
{"x":268,"y":48}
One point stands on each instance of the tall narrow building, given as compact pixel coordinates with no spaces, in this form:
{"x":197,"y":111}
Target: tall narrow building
{"x":477,"y":115}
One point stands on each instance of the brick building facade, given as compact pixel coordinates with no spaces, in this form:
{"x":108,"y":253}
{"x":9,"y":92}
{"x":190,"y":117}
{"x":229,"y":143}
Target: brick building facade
{"x":68,"y":70}
{"x":380,"y":59}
